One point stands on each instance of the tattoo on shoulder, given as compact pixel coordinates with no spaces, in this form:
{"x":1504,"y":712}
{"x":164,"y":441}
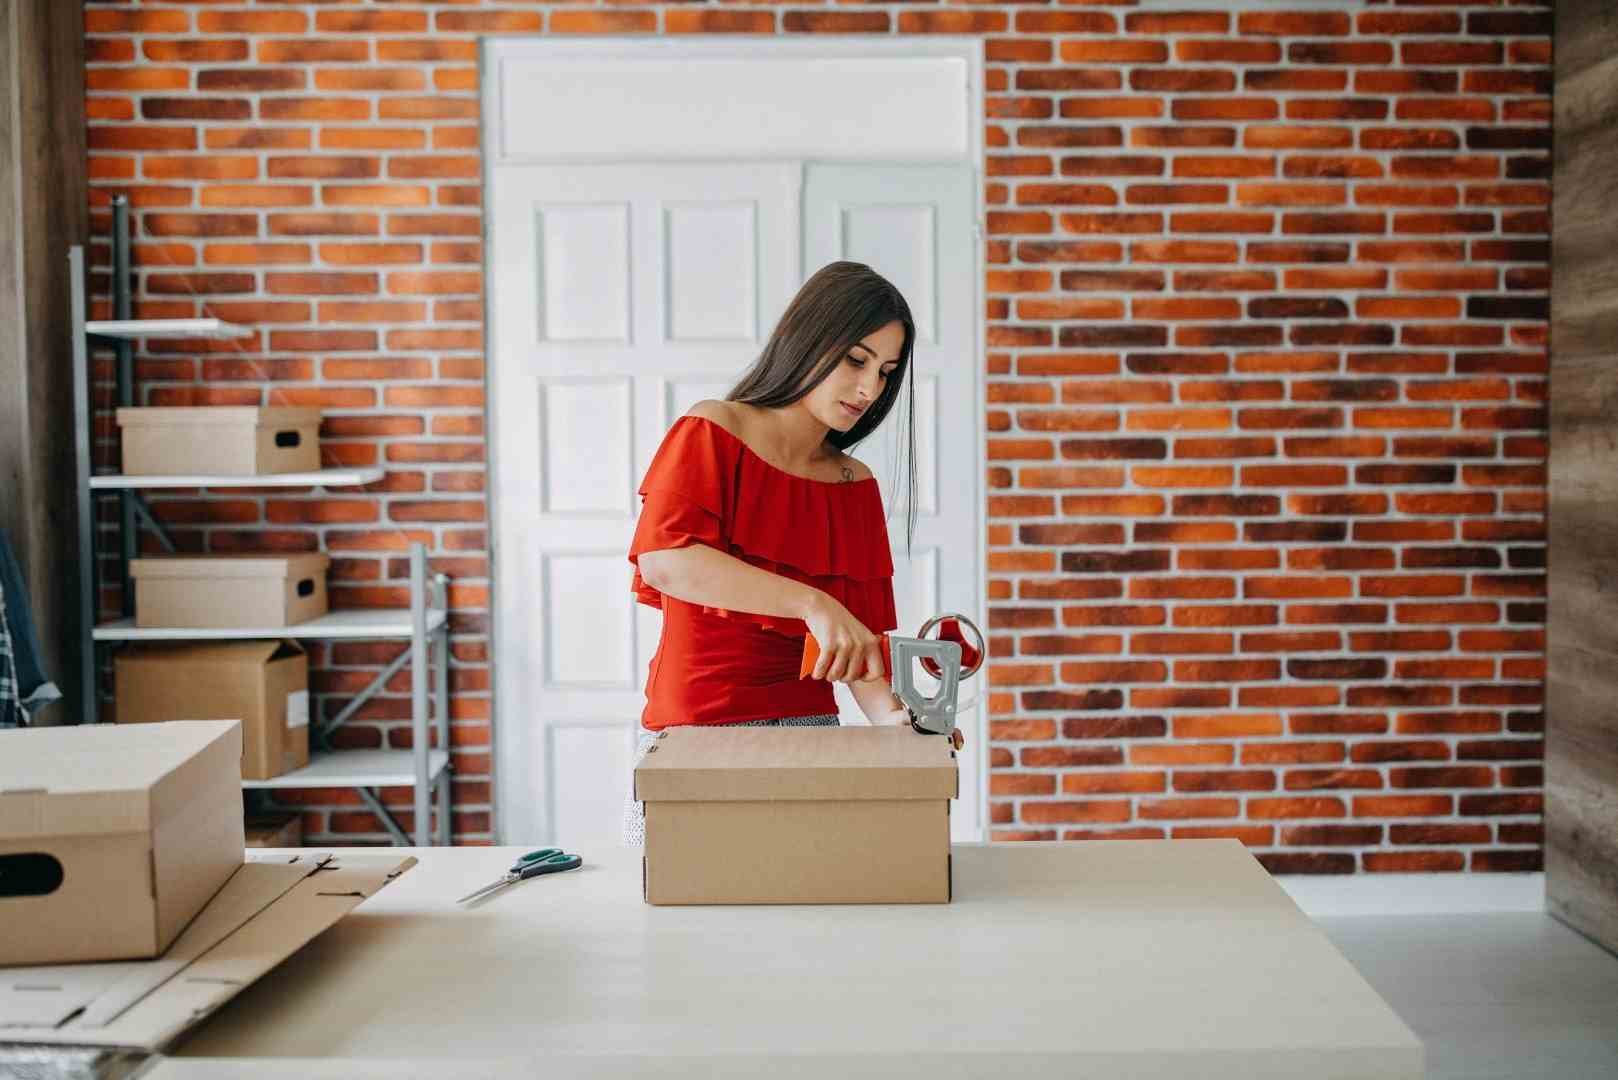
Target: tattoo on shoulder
{"x":848,"y":474}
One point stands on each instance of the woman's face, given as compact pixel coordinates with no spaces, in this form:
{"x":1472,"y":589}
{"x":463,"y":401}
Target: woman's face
{"x":858,"y":379}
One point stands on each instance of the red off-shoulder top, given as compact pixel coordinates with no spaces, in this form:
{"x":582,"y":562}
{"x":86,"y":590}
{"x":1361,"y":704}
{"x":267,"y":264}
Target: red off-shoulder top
{"x":716,"y":666}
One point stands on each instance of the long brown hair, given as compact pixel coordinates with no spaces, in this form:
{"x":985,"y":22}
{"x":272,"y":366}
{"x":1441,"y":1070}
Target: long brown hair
{"x":840,"y":304}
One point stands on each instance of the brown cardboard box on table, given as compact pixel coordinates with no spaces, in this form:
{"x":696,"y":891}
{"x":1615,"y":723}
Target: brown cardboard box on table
{"x":808,"y":815}
{"x":229,"y":591}
{"x":219,"y":440}
{"x":112,"y":836}
{"x":264,"y":684}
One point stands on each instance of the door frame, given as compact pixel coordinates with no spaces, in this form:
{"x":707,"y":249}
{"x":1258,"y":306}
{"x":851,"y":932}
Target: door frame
{"x":961,"y":61}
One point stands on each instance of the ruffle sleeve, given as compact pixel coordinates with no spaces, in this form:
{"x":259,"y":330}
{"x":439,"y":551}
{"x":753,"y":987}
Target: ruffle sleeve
{"x":705,"y":485}
{"x":685,"y":498}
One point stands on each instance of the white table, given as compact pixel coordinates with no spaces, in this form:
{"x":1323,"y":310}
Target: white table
{"x":1123,"y":959}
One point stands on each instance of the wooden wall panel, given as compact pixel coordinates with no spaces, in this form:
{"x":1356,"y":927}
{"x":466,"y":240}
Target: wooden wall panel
{"x":1581,"y":784}
{"x":42,"y":212}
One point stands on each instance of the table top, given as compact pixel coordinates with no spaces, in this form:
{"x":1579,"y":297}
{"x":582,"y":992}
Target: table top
{"x":1131,"y":958}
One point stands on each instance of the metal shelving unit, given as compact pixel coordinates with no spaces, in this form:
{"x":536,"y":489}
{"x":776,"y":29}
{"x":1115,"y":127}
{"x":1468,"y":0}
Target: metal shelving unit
{"x":425,"y":622}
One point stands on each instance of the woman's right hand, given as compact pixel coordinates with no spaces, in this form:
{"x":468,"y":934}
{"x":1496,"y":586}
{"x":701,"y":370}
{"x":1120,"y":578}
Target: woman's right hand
{"x":848,"y":651}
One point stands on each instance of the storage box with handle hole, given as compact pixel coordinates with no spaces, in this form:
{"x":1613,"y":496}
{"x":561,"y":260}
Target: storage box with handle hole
{"x":229,"y":591}
{"x":113,"y":836}
{"x":222,"y":440}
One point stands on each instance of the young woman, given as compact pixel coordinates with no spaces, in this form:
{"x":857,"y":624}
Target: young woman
{"x":757,"y":527}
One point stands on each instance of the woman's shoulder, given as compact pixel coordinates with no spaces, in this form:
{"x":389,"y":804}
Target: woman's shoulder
{"x":743,"y":422}
{"x":728,"y":416}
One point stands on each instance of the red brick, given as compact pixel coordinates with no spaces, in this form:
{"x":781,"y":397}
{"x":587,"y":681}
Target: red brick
{"x":1062,"y":812}
{"x":1188,"y":809}
{"x":489,"y":22}
{"x":1293,"y":24}
{"x":1408,"y":862}
{"x":257,"y":138}
{"x":1187,"y":22}
{"x":1331,"y":835}
{"x":1295,"y":807}
{"x":1113,"y":782}
{"x":1198,"y":754}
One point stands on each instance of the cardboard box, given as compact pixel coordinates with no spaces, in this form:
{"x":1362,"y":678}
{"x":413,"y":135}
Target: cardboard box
{"x":264,"y":684}
{"x":112,"y":836}
{"x":229,"y":591}
{"x":268,"y":909}
{"x":810,"y":815}
{"x":275,"y":831}
{"x":224,"y":440}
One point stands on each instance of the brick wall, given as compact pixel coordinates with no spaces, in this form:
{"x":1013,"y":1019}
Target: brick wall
{"x":1266,"y":305}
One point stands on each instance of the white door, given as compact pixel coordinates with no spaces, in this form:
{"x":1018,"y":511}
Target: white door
{"x":619,"y":295}
{"x":914,"y":225}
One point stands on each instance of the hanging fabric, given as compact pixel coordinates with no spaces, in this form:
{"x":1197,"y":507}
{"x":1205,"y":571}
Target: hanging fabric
{"x":24,"y":689}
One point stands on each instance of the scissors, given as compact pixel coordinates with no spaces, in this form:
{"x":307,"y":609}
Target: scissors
{"x":549,"y":860}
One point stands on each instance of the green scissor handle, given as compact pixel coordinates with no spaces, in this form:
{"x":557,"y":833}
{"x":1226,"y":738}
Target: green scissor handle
{"x":535,"y":856}
{"x":552,"y":863}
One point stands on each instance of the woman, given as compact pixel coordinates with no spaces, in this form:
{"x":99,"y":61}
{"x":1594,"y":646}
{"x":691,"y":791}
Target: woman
{"x":757,"y":527}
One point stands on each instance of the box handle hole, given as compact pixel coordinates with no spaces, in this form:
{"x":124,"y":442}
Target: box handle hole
{"x":306,"y":587}
{"x":287,"y":439}
{"x":32,"y":873}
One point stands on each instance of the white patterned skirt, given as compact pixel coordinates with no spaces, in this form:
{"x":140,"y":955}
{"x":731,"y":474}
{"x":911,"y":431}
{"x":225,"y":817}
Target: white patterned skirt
{"x":635,"y":811}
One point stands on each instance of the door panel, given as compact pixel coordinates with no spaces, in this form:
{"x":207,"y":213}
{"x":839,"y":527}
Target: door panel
{"x":619,"y":295}
{"x":913,"y":224}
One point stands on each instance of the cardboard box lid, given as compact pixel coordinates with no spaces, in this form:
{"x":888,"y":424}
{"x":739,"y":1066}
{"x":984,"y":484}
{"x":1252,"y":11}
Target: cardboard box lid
{"x":214,"y":415}
{"x":269,"y":909}
{"x":296,"y":564}
{"x":724,"y":764}
{"x":92,"y":778}
{"x":254,"y":653}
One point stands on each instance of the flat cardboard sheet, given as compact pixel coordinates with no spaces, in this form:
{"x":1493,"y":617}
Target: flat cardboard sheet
{"x":270,"y":908}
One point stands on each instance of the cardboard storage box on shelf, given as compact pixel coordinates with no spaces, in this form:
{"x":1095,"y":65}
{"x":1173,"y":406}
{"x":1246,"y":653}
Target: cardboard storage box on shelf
{"x":269,"y":909}
{"x":825,"y":815}
{"x":264,"y":684}
{"x":275,"y":831}
{"x":112,"y":837}
{"x":223,"y":440}
{"x":229,"y":591}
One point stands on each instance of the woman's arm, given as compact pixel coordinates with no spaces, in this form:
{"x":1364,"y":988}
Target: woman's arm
{"x":877,"y":702}
{"x":699,"y":574}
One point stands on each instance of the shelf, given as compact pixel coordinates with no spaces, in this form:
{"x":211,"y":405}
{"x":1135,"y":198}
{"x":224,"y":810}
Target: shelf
{"x":166,"y":328}
{"x":357,"y":768}
{"x":361,"y":624}
{"x":323,"y":478}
